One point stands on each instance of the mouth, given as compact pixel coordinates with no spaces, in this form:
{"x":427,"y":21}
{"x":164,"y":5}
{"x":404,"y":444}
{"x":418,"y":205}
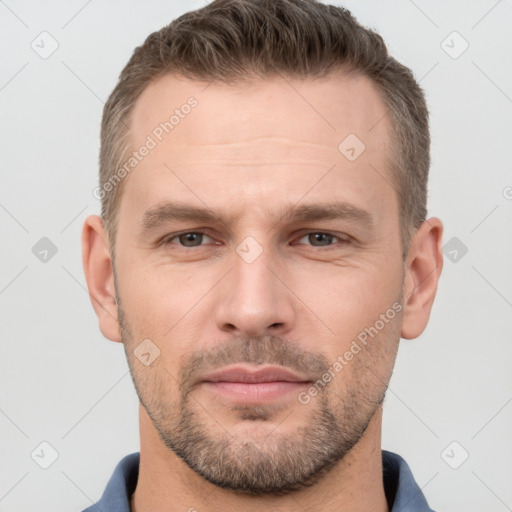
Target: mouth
{"x":243,"y":384}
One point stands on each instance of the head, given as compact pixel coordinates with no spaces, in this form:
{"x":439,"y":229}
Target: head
{"x":263,"y":176}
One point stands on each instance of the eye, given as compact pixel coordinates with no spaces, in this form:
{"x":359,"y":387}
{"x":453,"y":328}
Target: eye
{"x":190,"y":239}
{"x":186,"y":239}
{"x":321,"y":239}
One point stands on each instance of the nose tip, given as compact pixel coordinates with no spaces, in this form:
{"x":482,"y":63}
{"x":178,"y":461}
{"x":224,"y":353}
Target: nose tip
{"x":252,"y":301}
{"x":255,"y":329}
{"x":252,"y":322}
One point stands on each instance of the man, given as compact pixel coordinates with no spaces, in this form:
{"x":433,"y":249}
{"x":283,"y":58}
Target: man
{"x":263,"y":246}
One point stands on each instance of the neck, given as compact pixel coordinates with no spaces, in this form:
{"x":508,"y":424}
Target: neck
{"x":166,"y":483}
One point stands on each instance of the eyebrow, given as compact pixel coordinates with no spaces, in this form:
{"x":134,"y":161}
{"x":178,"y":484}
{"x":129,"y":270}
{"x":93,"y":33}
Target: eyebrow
{"x":173,"y":211}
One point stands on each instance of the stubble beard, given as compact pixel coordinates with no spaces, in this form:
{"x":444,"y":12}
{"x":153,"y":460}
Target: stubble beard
{"x":278,"y":463}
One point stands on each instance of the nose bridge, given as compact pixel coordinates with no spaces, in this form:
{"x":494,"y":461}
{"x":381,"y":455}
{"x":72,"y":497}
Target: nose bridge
{"x":252,"y":275}
{"x":253,"y":299}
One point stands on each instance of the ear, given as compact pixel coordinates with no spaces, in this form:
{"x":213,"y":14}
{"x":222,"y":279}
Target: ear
{"x":422,"y":270}
{"x":99,"y":275}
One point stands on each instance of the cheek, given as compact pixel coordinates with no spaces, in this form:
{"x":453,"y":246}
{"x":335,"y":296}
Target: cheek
{"x":157,"y":296}
{"x":350,"y":300}
{"x":166,"y":305}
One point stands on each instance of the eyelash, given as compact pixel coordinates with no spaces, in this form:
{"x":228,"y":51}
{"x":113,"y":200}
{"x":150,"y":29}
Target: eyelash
{"x":341,"y":240}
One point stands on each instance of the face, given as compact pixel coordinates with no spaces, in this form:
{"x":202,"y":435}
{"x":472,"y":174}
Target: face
{"x":261,"y":262}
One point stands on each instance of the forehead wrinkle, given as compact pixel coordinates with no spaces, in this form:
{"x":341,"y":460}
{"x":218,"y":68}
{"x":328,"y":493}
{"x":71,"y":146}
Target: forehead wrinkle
{"x":284,"y":141}
{"x":265,"y":151}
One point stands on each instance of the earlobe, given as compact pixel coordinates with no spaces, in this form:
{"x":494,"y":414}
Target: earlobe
{"x":100,"y":276}
{"x":423,"y":269}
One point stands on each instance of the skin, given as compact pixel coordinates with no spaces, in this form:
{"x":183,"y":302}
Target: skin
{"x":246,"y":152}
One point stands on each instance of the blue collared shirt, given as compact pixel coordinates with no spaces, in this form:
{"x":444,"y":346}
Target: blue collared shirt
{"x":402,"y":491}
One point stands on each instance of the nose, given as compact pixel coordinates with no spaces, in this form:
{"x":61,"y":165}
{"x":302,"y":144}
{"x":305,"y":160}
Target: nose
{"x":254,"y":298}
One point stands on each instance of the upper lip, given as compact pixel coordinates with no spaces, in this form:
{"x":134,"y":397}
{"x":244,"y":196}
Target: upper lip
{"x":252,"y":375}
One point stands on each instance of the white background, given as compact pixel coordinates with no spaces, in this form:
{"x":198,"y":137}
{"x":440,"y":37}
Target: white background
{"x":63,"y":383}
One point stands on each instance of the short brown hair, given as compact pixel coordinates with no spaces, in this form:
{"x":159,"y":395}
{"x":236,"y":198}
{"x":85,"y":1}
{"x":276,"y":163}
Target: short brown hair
{"x":236,"y":40}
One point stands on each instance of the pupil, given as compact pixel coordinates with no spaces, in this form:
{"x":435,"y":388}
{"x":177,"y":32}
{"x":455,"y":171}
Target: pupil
{"x":319,"y":237}
{"x":190,"y":237}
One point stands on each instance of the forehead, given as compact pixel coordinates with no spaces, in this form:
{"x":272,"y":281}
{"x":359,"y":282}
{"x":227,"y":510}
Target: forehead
{"x":327,"y":109}
{"x":258,"y":142}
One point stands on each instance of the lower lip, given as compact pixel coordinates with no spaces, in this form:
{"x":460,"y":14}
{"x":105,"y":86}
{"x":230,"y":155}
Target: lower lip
{"x":255,"y":392}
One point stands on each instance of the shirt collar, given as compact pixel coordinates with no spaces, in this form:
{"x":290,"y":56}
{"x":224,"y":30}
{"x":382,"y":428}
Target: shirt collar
{"x":402,"y":491}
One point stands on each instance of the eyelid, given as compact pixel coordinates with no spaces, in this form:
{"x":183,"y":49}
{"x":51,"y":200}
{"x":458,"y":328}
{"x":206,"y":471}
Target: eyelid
{"x":166,"y":240}
{"x":342,"y":239}
{"x":340,"y":236}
